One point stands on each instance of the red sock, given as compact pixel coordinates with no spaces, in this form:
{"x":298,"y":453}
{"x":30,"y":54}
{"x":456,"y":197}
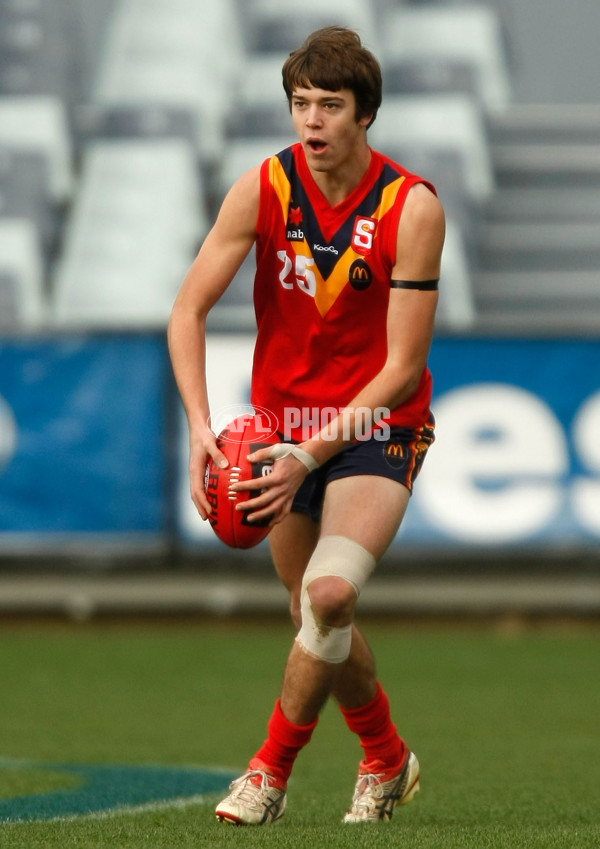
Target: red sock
{"x":280,"y":749}
{"x":377,"y":733}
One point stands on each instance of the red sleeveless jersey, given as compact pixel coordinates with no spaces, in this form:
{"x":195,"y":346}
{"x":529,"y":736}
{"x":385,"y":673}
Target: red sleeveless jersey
{"x":321,"y":292}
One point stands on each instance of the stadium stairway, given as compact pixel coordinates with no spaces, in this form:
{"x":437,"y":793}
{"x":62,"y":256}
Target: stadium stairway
{"x":538,"y":247}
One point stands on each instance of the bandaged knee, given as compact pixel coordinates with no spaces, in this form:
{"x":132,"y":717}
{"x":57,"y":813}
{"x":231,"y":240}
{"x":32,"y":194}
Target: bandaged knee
{"x":340,"y":557}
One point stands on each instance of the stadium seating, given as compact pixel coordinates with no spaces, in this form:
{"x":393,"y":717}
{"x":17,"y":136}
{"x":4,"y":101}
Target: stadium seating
{"x":131,"y":235}
{"x":261,"y":107}
{"x":100,"y":121}
{"x":177,"y":53}
{"x":273,"y":25}
{"x":51,"y":47}
{"x":446,"y":47}
{"x":25,"y":192}
{"x":456,"y":308}
{"x":31,"y":56}
{"x":537,"y":262}
{"x":22,"y":302}
{"x":40,"y":124}
{"x":81,"y":82}
{"x":438,"y":122}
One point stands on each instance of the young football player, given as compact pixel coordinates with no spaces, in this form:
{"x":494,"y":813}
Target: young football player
{"x":348,"y":249}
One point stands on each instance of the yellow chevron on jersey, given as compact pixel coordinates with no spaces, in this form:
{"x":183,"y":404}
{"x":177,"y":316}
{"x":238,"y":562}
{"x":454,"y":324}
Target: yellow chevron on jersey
{"x":327,"y":290}
{"x":388,"y":197}
{"x":281,"y":184}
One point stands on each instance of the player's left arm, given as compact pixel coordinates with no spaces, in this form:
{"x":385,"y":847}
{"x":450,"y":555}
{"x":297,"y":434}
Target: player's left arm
{"x":410,"y":323}
{"x":410,"y":317}
{"x":412,"y":304}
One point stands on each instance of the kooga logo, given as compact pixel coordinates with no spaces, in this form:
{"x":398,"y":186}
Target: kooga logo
{"x":328,"y":248}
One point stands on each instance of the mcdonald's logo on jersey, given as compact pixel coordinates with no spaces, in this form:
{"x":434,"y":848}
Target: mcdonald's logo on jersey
{"x":359,"y":275}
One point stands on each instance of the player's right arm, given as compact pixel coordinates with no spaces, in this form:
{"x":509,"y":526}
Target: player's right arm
{"x":213,"y":269}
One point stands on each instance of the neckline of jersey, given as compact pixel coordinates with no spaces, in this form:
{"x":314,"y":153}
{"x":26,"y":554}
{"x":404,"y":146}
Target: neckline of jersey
{"x":318,"y":200}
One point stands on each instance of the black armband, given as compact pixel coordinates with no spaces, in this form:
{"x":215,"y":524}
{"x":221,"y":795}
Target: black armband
{"x":424,"y":285}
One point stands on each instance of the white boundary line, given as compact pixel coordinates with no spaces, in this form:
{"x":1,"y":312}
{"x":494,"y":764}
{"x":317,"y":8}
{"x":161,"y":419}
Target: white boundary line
{"x":148,"y":807}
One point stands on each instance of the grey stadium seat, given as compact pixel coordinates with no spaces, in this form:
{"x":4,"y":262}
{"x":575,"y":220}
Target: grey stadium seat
{"x":131,"y":236}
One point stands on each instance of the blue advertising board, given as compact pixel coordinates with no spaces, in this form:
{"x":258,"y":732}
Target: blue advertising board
{"x":82,"y":441}
{"x":86,"y":449}
{"x":517,"y":456}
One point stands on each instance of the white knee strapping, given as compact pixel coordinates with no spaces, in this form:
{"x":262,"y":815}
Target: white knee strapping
{"x":343,"y":558}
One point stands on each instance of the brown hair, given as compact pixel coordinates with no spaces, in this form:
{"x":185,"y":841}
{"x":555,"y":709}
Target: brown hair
{"x":334,"y":58}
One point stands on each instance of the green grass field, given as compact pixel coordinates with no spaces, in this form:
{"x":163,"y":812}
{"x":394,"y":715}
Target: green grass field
{"x":506,"y":726}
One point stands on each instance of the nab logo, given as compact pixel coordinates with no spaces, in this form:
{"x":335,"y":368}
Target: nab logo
{"x":293,"y":230}
{"x":359,"y":275}
{"x":394,"y":455}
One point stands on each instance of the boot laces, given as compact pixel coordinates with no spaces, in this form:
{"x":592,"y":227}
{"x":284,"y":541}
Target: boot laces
{"x":250,"y":788}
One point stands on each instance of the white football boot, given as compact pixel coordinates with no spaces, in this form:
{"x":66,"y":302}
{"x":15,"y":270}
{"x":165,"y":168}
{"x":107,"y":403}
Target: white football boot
{"x":254,"y":799}
{"x":377,"y":792}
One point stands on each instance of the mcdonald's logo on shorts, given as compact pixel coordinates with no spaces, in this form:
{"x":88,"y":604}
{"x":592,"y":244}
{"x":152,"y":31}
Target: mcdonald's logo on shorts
{"x":359,"y":275}
{"x":395,"y":454}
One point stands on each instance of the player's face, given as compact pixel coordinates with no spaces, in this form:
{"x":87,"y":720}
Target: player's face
{"x":326,"y":125}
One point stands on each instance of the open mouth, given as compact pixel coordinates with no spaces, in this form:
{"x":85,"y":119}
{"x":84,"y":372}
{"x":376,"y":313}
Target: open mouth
{"x":316,"y":145}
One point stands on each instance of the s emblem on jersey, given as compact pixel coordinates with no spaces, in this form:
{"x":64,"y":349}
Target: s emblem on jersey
{"x":363,"y":234}
{"x":359,"y":275}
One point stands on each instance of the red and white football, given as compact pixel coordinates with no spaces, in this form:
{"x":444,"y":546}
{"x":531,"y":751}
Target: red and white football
{"x":241,"y":437}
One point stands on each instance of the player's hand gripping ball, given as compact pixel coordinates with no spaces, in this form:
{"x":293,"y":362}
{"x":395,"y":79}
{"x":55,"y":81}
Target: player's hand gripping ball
{"x":241,"y":437}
